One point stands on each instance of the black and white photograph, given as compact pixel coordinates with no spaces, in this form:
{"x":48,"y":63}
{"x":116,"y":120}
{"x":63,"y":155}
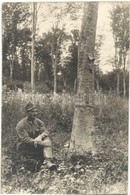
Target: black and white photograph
{"x":65,"y":95}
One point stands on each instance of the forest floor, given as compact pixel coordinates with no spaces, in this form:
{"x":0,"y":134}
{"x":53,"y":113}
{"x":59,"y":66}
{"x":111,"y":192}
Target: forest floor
{"x":104,"y":173}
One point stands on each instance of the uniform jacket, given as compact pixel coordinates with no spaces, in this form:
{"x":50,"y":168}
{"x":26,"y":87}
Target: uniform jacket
{"x":27,"y":131}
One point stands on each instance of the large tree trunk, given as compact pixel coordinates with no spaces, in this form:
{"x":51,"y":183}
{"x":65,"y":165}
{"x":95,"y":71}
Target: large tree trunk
{"x":83,"y":123}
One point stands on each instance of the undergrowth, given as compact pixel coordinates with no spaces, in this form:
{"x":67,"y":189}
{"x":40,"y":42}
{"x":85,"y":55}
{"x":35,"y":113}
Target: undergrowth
{"x":102,"y":173}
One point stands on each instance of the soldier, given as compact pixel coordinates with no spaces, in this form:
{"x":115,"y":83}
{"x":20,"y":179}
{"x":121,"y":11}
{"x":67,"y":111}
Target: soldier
{"x":33,"y":135}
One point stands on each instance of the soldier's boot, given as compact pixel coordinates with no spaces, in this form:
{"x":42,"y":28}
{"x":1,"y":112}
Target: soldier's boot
{"x":50,"y":165}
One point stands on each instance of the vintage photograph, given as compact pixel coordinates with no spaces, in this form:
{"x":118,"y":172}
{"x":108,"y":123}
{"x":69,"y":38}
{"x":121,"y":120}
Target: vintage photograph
{"x":65,"y":93}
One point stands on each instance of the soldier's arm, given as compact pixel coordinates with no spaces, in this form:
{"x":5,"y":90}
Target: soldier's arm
{"x":23,"y":135}
{"x":43,"y":131}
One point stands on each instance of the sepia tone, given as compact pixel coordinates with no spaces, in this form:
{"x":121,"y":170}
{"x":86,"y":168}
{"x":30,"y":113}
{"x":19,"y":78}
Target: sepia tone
{"x":65,"y":93}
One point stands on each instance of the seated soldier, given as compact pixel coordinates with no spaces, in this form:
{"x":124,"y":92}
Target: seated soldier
{"x":34,"y":136}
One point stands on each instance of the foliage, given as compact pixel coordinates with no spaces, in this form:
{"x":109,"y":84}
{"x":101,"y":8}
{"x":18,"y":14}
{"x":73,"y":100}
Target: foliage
{"x":108,"y":82}
{"x":58,"y":43}
{"x":120,"y":28}
{"x":70,"y":65}
{"x":119,"y":24}
{"x":16,"y":35}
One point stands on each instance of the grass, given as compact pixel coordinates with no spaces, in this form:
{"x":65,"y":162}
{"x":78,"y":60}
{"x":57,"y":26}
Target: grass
{"x":103,"y":173}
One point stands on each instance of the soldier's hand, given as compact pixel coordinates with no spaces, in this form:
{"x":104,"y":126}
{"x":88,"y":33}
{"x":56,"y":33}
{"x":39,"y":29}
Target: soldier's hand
{"x":37,"y":141}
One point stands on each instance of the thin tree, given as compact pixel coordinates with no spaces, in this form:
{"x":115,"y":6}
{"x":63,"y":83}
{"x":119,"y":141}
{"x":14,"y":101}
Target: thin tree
{"x":34,"y":16}
{"x":83,"y":122}
{"x":120,"y":28}
{"x":97,"y":71}
{"x":58,"y":36}
{"x":58,"y":13}
{"x":13,"y":15}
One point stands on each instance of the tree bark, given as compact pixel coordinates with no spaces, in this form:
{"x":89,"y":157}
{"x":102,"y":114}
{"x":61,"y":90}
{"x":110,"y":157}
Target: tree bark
{"x":83,"y":123}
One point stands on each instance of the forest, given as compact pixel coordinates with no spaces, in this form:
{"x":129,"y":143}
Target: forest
{"x":52,"y":56}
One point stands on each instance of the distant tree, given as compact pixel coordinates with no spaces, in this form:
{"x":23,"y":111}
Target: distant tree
{"x":34,"y":22}
{"x":15,"y":17}
{"x":83,"y":122}
{"x":120,"y":27}
{"x":24,"y":56}
{"x":47,"y":48}
{"x":108,"y":82}
{"x":44,"y":69}
{"x":58,"y":13}
{"x":97,"y":70}
{"x":58,"y":38}
{"x":69,"y":68}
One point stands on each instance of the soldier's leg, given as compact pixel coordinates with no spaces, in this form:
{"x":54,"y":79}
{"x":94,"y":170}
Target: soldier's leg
{"x":30,"y":157}
{"x":47,"y":148}
{"x":47,"y":152}
{"x":26,"y":149}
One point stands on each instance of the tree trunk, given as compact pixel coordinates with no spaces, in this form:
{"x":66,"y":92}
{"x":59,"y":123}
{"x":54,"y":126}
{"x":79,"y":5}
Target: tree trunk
{"x":124,"y":85}
{"x":39,"y":73}
{"x":11,"y":71}
{"x":97,"y":83}
{"x":117,"y":69}
{"x":75,"y":86}
{"x":64,"y":81}
{"x":33,"y":45}
{"x":124,"y":82}
{"x":83,"y":123}
{"x":117,"y":81}
{"x":12,"y":65}
{"x":55,"y":75}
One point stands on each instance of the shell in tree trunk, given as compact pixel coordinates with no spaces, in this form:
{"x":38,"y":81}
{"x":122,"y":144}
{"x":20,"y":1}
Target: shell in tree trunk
{"x":83,"y":123}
